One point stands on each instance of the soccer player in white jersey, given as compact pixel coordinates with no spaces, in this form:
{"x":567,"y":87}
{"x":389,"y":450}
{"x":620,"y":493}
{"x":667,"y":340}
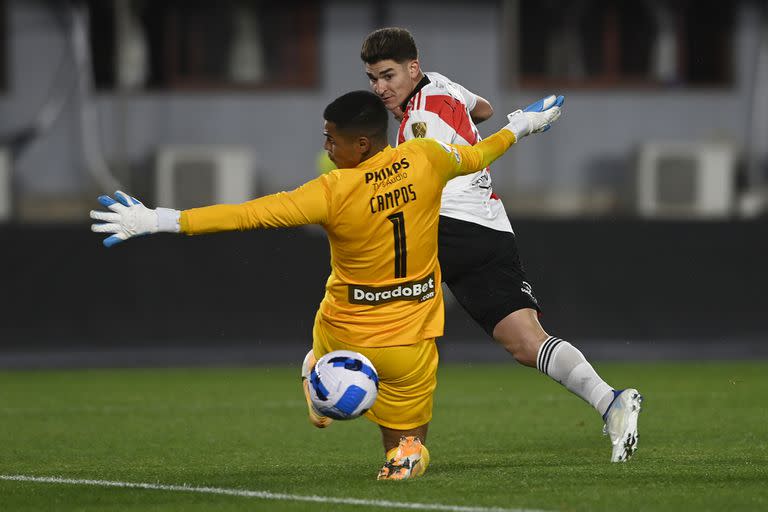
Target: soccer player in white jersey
{"x":477,"y":250}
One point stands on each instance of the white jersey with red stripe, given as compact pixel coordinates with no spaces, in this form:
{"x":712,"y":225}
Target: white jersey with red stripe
{"x":439,"y":109}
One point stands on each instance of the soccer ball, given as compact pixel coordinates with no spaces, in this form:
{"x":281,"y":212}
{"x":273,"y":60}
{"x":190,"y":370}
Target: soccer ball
{"x":343,"y":385}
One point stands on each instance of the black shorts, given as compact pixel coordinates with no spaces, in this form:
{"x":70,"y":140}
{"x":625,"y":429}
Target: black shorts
{"x":482,"y":268}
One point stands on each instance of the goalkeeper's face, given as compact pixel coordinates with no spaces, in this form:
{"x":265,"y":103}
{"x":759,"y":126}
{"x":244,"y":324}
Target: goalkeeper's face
{"x":344,"y":150}
{"x":393,"y":81}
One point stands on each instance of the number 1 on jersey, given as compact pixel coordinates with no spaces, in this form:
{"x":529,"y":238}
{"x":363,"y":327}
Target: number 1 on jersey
{"x":401,"y":252}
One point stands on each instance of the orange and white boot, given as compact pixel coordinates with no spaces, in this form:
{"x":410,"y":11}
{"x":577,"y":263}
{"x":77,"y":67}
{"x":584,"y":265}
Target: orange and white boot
{"x":409,"y":459}
{"x":315,"y":418}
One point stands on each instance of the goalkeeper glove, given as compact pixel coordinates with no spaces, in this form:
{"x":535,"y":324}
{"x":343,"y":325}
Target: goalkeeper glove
{"x":536,"y":117}
{"x":129,"y":218}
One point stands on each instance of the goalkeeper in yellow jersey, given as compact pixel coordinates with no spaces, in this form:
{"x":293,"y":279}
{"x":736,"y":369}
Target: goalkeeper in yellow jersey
{"x":380,"y":211}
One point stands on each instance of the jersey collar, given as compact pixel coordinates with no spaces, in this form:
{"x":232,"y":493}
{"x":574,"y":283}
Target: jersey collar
{"x":419,"y":86}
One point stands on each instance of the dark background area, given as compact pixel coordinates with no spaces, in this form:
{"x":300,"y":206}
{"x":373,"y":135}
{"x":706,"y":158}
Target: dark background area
{"x":603,"y":282}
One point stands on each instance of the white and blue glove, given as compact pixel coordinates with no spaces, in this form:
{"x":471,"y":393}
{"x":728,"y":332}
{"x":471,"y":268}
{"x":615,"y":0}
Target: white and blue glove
{"x":129,"y":218}
{"x":536,"y":117}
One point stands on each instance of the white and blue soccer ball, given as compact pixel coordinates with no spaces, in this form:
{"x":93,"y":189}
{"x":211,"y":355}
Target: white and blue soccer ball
{"x":343,"y":385}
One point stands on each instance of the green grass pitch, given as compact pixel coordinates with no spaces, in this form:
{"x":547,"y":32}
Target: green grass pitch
{"x":502,"y":436}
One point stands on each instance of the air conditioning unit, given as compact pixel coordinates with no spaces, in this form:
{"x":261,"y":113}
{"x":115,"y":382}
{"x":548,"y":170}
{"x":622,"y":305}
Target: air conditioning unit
{"x":686,"y":180}
{"x":5,"y":186}
{"x":193,"y":176}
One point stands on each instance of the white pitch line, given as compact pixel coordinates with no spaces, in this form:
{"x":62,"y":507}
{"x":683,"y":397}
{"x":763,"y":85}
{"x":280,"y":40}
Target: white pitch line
{"x":265,"y":495}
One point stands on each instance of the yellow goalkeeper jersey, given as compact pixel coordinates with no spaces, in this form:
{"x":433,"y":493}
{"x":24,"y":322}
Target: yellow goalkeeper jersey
{"x":381,"y":218}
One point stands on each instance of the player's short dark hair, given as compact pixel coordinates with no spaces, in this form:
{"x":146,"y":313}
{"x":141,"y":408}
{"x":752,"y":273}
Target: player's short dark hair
{"x":389,"y":43}
{"x":358,"y":113}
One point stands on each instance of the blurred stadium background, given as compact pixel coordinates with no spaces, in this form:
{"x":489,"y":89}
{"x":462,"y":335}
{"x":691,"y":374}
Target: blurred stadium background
{"x":641,"y":218}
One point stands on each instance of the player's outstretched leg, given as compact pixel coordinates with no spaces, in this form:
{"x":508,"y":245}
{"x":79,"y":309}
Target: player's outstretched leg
{"x":315,"y":417}
{"x":621,"y":423}
{"x":409,"y":459}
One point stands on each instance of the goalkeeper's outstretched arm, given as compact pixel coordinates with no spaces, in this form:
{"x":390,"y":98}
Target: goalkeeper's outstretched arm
{"x":128,"y":217}
{"x":308,"y":204}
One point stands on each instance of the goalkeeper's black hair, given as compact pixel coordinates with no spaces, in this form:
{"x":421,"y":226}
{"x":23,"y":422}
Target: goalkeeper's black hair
{"x":389,"y":43}
{"x":358,"y":113}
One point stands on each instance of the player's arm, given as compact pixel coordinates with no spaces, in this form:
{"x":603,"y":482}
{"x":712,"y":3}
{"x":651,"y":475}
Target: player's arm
{"x":482,"y":111}
{"x":308,"y":204}
{"x":479,"y":108}
{"x":458,"y":160}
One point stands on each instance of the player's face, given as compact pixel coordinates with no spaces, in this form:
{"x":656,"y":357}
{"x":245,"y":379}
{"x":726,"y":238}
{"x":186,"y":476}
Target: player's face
{"x":392,"y":81}
{"x":345,"y":151}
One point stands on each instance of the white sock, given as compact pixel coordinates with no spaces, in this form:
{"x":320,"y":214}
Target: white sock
{"x":567,"y":365}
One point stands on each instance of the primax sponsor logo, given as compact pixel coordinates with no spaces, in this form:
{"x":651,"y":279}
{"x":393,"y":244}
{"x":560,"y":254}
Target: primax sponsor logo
{"x":421,"y":290}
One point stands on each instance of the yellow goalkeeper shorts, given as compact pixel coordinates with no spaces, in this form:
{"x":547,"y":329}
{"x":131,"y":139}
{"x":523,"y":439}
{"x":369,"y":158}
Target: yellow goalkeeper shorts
{"x":407,"y":378}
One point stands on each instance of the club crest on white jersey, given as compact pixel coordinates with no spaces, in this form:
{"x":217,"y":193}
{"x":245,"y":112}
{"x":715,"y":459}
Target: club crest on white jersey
{"x":440,"y":111}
